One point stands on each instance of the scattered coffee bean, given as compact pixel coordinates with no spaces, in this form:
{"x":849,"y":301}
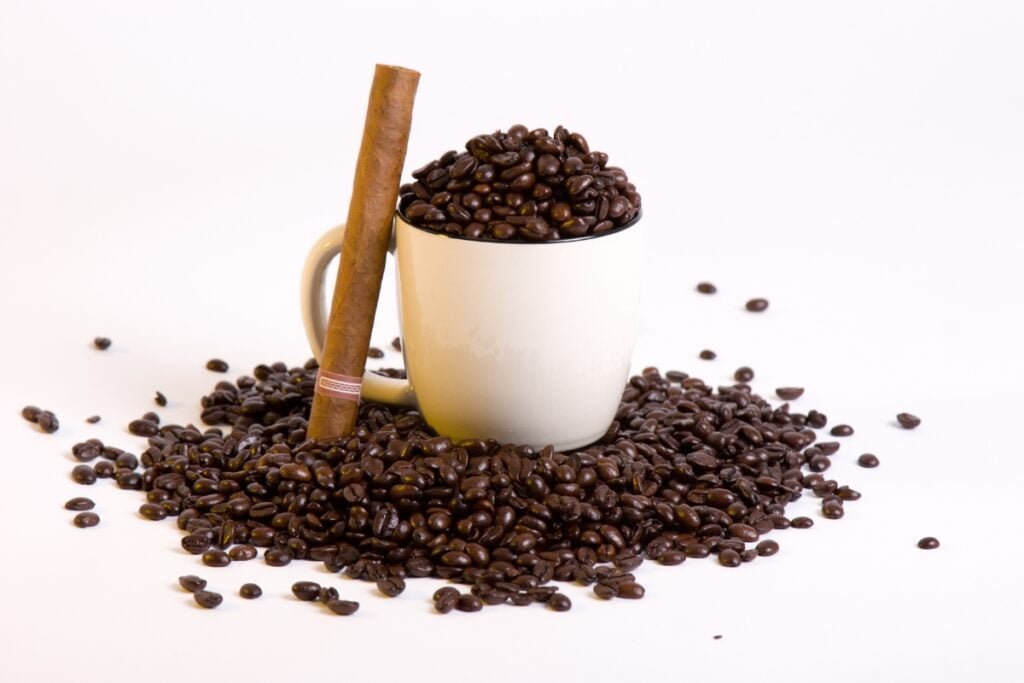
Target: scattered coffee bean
{"x":250,"y":591}
{"x":93,"y":419}
{"x":706,"y":288}
{"x":767,"y":548}
{"x":630,"y":590}
{"x":216,"y":365}
{"x":104,"y":469}
{"x":560,"y":602}
{"x":327,"y":593}
{"x":196,"y":544}
{"x":145,"y":428}
{"x":215,"y":557}
{"x":928,"y":543}
{"x":277,"y":557}
{"x":343,"y":607}
{"x":445,"y":599}
{"x":83,"y":474}
{"x":207,"y":599}
{"x":47,"y":422}
{"x":816,"y":420}
{"x":79,"y":503}
{"x":605,"y":591}
{"x":374,"y":352}
{"x":868,"y":460}
{"x":242,"y":553}
{"x":908,"y":421}
{"x":841,"y":430}
{"x":832,"y":510}
{"x":708,"y":354}
{"x":396,"y":343}
{"x":86,"y":519}
{"x":757,"y":305}
{"x":468,"y":603}
{"x":31,"y":413}
{"x":101,"y":343}
{"x":729,"y":558}
{"x":743,"y":374}
{"x":391,"y":586}
{"x":192,"y":583}
{"x":789,"y":393}
{"x":160,"y":399}
{"x":306,"y":590}
{"x":801,"y":523}
{"x":152,"y":511}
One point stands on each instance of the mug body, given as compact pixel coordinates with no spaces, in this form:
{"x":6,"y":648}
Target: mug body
{"x":528,"y":343}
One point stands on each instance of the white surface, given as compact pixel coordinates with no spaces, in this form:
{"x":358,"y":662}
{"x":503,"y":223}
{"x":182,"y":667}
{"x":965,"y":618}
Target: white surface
{"x":165,"y":167}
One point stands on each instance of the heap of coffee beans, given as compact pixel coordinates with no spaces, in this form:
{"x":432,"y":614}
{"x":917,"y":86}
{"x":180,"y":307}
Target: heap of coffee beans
{"x":526,"y":185}
{"x":685,"y":471}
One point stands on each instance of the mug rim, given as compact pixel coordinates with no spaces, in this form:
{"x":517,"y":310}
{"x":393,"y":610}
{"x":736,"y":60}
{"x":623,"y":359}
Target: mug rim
{"x":566,"y":240}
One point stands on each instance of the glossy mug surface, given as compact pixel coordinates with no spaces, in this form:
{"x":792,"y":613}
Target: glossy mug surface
{"x":527,"y":343}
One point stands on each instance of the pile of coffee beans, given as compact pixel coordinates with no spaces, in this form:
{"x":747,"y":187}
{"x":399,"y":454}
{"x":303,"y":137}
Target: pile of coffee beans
{"x":521,"y":185}
{"x":685,"y":471}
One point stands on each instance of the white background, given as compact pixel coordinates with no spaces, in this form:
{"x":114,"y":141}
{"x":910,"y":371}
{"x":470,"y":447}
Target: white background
{"x":164,"y":167}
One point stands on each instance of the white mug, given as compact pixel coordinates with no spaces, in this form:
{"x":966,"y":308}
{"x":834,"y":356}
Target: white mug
{"x":525,"y":342}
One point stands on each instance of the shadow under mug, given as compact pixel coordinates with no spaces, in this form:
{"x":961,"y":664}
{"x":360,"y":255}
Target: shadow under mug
{"x":525,"y":342}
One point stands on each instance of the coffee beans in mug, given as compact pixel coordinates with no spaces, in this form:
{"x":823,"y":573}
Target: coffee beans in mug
{"x":521,"y":185}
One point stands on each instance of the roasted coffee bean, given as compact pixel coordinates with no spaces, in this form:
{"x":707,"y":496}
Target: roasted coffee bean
{"x":79,"y":503}
{"x":928,"y":543}
{"x":31,"y":413}
{"x":101,"y":343}
{"x":277,"y":557}
{"x":242,"y":553}
{"x":143,"y":428}
{"x":391,"y":586}
{"x":250,"y":591}
{"x":216,"y":365}
{"x":93,"y":419}
{"x":706,"y":288}
{"x":908,"y":421}
{"x":708,"y":354}
{"x":160,"y":399}
{"x":47,"y":422}
{"x":83,"y":474}
{"x":468,"y":603}
{"x":306,"y":590}
{"x":86,"y":519}
{"x":767,"y":548}
{"x":215,"y":557}
{"x":207,"y":599}
{"x":757,"y":305}
{"x":789,"y":393}
{"x":327,"y":593}
{"x":152,"y":511}
{"x":445,"y":599}
{"x":396,"y":343}
{"x":343,"y":607}
{"x":560,"y":602}
{"x":605,"y":591}
{"x":868,"y":460}
{"x":832,"y":510}
{"x":196,"y":544}
{"x":374,"y":352}
{"x":729,"y":558}
{"x":802,"y":522}
{"x":743,"y":374}
{"x":630,"y":590}
{"x":192,"y":583}
{"x":841,"y":430}
{"x":104,"y":469}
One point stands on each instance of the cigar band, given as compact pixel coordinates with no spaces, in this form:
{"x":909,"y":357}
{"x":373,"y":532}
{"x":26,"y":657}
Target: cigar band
{"x":338,"y":386}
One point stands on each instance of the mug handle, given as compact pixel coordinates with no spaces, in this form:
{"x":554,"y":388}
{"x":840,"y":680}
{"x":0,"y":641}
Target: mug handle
{"x":377,"y":388}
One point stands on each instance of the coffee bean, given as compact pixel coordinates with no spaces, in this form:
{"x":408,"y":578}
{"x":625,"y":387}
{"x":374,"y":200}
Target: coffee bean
{"x":374,"y":352}
{"x":789,"y":393}
{"x":160,"y":399}
{"x":445,"y":599}
{"x":468,"y":603}
{"x":630,"y":591}
{"x":757,"y":305}
{"x":216,"y":365}
{"x":868,"y":460}
{"x":767,"y":548}
{"x":743,"y":374}
{"x":729,"y":558}
{"x":215,"y":557}
{"x":83,"y":474}
{"x":841,"y":430}
{"x":708,"y":354}
{"x":196,"y":544}
{"x":47,"y":422}
{"x":242,"y":553}
{"x":832,"y":510}
{"x":143,"y":428}
{"x":802,"y":522}
{"x":192,"y":583}
{"x":327,"y":593}
{"x":560,"y":602}
{"x":928,"y":543}
{"x":250,"y":591}
{"x":152,"y":511}
{"x":86,"y":519}
{"x":93,"y":419}
{"x":908,"y":421}
{"x":391,"y":586}
{"x":277,"y":557}
{"x":79,"y":503}
{"x":306,"y":590}
{"x":706,"y":288}
{"x":208,"y":599}
{"x":31,"y":413}
{"x":104,"y":469}
{"x":396,"y":343}
{"x":343,"y":607}
{"x":101,"y":343}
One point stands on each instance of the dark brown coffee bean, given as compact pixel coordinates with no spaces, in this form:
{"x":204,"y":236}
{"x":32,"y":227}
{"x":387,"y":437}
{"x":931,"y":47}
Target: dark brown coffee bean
{"x":327,"y":593}
{"x":93,"y":419}
{"x":143,"y":428}
{"x":468,"y":603}
{"x":391,"y":586}
{"x":374,"y":352}
{"x":908,"y":421}
{"x":47,"y":422}
{"x":841,"y":430}
{"x":743,"y":374}
{"x":242,"y":553}
{"x":560,"y":602}
{"x":729,"y":558}
{"x":757,"y":305}
{"x":445,"y":599}
{"x":630,"y":590}
{"x":396,"y":344}
{"x":215,"y":557}
{"x":802,"y":522}
{"x":208,"y":599}
{"x":789,"y":393}
{"x":101,"y":343}
{"x":306,"y":590}
{"x":196,"y":544}
{"x":767,"y":548}
{"x":708,"y":354}
{"x":277,"y":557}
{"x":31,"y":413}
{"x":832,"y":510}
{"x":743,"y":532}
{"x":160,"y":399}
{"x":706,"y":288}
{"x":192,"y":583}
{"x":928,"y":543}
{"x":152,"y":511}
{"x":343,"y":607}
{"x":250,"y":591}
{"x":216,"y":365}
{"x":79,"y":503}
{"x":867,"y":460}
{"x":605,"y":591}
{"x":84,"y":520}
{"x":83,"y":474}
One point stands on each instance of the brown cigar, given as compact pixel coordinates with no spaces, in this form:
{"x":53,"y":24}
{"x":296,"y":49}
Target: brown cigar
{"x":363,"y":252}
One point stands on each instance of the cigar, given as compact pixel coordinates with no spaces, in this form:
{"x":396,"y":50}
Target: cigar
{"x":363,"y":252}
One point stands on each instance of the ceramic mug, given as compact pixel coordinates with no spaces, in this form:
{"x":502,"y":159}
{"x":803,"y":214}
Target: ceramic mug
{"x":525,"y":342}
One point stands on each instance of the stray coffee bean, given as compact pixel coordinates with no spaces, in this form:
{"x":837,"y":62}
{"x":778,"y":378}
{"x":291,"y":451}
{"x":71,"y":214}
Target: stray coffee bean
{"x":101,"y":343}
{"x":908,"y":421}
